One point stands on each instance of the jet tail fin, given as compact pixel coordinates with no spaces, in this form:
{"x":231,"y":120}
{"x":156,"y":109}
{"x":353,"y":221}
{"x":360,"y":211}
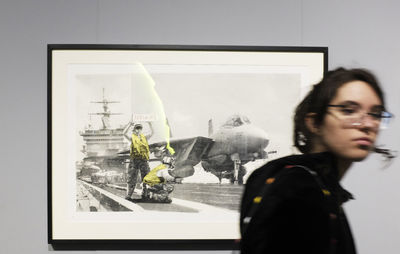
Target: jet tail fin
{"x":210,"y":127}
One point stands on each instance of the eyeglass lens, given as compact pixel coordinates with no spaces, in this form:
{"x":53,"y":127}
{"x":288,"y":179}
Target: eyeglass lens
{"x":352,"y":116}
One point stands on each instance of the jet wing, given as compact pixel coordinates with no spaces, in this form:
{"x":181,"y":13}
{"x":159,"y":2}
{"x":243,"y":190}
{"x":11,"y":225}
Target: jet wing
{"x":188,"y":151}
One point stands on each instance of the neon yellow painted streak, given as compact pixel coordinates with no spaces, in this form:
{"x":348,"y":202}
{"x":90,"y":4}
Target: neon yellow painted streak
{"x":158,"y":99}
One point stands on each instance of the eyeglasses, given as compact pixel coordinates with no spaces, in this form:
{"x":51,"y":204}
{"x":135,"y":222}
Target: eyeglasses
{"x":353,"y":116}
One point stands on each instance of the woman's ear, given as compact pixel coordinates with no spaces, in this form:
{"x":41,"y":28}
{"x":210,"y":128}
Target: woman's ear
{"x":311,"y":123}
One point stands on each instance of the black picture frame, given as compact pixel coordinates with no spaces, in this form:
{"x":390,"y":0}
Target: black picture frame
{"x":62,"y":234}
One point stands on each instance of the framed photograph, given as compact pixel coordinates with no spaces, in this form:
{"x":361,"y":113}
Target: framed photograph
{"x":150,"y":146}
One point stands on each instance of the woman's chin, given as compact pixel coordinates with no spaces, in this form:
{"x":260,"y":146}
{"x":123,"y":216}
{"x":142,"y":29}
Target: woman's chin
{"x":359,"y":154}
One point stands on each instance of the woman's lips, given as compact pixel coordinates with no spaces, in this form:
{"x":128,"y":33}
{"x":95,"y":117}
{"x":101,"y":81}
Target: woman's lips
{"x":363,"y":141}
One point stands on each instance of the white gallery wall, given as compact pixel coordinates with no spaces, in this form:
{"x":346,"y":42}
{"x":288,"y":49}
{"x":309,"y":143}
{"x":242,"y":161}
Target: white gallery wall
{"x":359,"y":33}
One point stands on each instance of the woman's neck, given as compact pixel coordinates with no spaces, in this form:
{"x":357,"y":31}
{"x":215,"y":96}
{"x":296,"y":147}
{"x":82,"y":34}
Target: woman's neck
{"x":342,"y":166}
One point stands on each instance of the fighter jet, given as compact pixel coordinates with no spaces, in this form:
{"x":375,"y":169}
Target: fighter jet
{"x":223,"y":153}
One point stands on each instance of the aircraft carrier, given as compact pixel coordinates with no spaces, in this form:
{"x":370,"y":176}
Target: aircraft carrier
{"x":101,"y":143}
{"x":104,"y":141}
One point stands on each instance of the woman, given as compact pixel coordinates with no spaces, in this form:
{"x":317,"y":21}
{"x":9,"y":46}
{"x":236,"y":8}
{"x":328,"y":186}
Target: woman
{"x":294,"y":204}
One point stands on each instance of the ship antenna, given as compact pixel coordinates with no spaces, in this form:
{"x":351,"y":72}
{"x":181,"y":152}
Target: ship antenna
{"x":106,"y":113}
{"x":90,"y":122}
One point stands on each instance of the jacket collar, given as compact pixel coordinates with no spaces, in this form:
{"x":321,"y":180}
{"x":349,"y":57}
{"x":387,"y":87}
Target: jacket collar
{"x":324,"y":164}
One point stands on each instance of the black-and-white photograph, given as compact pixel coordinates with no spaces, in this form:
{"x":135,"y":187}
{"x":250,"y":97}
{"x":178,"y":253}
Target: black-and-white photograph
{"x":176,"y":138}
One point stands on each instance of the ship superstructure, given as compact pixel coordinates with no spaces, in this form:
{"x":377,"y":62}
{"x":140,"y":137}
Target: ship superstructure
{"x":104,"y":141}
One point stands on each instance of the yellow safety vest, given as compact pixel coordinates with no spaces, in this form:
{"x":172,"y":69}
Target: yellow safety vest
{"x":151,"y":178}
{"x":140,"y":147}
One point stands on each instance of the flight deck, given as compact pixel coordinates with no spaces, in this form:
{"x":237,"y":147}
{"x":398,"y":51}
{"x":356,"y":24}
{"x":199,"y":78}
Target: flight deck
{"x":186,"y":198}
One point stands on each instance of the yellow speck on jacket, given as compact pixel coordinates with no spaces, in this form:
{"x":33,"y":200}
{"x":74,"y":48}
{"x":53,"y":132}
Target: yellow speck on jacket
{"x":326,"y":192}
{"x":257,"y":200}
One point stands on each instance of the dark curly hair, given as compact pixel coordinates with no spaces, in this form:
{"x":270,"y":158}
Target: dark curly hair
{"x":318,"y":99}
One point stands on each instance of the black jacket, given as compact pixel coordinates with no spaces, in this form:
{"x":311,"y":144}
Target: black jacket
{"x":301,"y":211}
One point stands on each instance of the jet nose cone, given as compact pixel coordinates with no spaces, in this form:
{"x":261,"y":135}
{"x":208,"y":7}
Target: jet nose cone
{"x":264,"y":140}
{"x":260,"y":137}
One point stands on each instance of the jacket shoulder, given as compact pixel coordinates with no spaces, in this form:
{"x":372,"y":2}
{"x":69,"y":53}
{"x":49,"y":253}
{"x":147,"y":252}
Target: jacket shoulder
{"x":272,"y":167}
{"x":291,"y":179}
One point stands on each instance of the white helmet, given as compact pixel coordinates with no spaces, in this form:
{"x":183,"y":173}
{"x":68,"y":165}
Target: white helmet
{"x":167,"y":160}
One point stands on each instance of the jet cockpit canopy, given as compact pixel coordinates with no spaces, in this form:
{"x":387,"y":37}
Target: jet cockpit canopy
{"x":236,"y":120}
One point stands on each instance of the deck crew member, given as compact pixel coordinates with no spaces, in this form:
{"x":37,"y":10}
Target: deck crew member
{"x":157,"y":183}
{"x":139,"y":157}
